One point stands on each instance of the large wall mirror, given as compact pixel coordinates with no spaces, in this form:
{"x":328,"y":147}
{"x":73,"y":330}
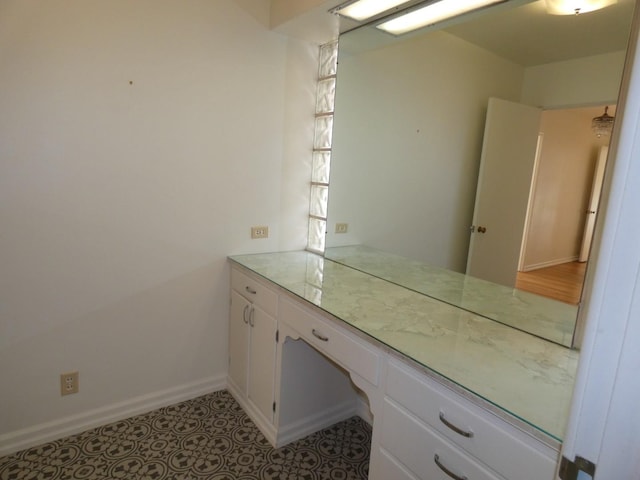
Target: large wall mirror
{"x":464,"y":160}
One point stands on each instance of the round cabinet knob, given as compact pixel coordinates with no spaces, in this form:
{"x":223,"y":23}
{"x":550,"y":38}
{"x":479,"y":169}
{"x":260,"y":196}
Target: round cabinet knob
{"x":482,"y":229}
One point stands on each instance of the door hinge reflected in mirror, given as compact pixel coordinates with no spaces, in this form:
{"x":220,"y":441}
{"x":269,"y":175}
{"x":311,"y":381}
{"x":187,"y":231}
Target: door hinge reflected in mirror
{"x":580,"y":469}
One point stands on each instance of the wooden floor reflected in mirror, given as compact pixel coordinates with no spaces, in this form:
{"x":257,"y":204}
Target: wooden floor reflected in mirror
{"x":561,"y":282}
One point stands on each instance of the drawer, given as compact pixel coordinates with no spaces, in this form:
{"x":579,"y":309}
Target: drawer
{"x":424,"y":452}
{"x":507,"y":450}
{"x":390,"y":469}
{"x":254,"y":291}
{"x":341,"y":346}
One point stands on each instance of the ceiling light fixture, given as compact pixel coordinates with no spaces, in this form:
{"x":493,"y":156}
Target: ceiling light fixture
{"x":575,"y":7}
{"x":603,"y":124}
{"x":364,"y":9}
{"x":432,"y":13}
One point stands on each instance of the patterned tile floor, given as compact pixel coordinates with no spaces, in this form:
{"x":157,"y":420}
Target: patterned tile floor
{"x":209,"y":437}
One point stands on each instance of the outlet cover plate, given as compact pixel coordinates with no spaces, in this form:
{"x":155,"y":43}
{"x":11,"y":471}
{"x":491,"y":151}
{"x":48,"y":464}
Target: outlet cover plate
{"x":69,"y":383}
{"x":260,"y":232}
{"x":342,"y":227}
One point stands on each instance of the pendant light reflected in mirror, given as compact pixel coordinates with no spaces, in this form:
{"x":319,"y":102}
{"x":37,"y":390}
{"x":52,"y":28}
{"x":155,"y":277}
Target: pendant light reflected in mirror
{"x":603,"y":124}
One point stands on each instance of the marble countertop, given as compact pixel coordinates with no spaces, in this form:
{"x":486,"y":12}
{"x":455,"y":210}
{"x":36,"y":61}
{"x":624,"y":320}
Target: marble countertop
{"x":522,"y":375}
{"x":544,"y":317}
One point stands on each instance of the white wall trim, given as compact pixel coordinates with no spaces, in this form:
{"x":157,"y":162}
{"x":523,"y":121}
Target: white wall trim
{"x":45,"y":432}
{"x":550,"y":263}
{"x":604,"y":421}
{"x":303,"y":427}
{"x":315,"y":423}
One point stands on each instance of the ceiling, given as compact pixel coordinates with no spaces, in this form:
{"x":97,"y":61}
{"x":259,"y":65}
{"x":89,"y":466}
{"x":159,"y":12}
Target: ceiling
{"x":528,"y":35}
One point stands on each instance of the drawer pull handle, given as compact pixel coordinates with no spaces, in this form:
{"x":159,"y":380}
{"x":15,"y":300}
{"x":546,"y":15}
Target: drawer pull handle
{"x":436,"y":459}
{"x":454,"y":428}
{"x":250,"y":290}
{"x":319,"y":336}
{"x":244,"y":314}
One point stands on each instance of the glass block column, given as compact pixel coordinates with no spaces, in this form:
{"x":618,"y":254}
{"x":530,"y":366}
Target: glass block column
{"x":325,"y":97}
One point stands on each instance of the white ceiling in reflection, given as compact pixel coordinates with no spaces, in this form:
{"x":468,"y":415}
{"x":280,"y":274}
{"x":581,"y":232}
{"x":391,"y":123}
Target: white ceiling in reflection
{"x":526,"y":34}
{"x":535,"y":37}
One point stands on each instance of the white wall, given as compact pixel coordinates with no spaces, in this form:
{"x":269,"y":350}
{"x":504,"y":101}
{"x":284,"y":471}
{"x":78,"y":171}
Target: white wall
{"x":584,"y":81}
{"x":309,"y":20}
{"x":407,"y":140}
{"x":285,"y":10}
{"x":139,"y":141}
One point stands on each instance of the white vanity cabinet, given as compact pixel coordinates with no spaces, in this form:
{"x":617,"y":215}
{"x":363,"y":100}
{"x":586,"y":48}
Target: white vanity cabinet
{"x":415,"y":449}
{"x":288,"y":388}
{"x":252,"y":344}
{"x":436,"y":433}
{"x":293,"y":368}
{"x":346,"y":349}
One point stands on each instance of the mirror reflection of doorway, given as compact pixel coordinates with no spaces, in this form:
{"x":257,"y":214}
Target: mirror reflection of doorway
{"x":565,"y":196}
{"x":545,"y":194}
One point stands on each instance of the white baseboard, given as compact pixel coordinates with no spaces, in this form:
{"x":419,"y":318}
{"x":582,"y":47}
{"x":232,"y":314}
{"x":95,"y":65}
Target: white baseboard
{"x":550,"y":263}
{"x":306,"y":426}
{"x":45,"y":432}
{"x":318,"y":421}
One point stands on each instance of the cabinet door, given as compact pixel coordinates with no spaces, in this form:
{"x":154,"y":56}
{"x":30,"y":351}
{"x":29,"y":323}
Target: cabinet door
{"x":262,"y":359}
{"x":239,"y":341}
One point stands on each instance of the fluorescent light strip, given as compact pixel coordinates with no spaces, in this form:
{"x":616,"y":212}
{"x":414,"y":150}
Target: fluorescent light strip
{"x":432,"y":13}
{"x":363,"y":9}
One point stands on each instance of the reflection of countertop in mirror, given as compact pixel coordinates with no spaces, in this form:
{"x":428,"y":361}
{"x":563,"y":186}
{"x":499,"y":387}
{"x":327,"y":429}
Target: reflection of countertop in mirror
{"x":544,"y":317}
{"x":524,"y":376}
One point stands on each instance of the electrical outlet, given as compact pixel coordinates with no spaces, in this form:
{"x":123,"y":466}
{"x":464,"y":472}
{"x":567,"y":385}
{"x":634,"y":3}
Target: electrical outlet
{"x":260,"y":232}
{"x":69,"y":383}
{"x":342,"y":227}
